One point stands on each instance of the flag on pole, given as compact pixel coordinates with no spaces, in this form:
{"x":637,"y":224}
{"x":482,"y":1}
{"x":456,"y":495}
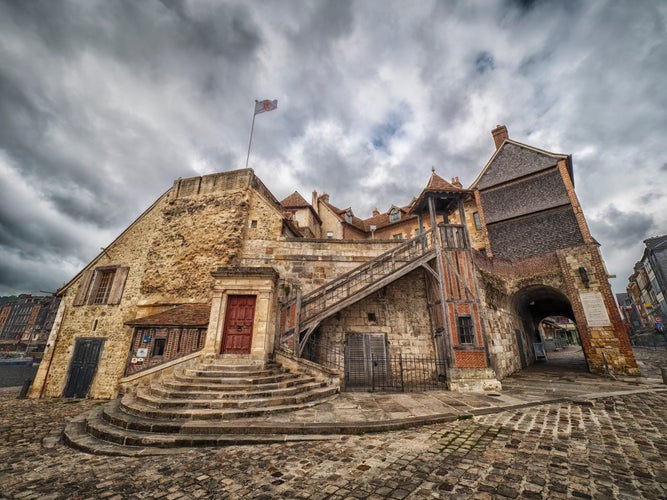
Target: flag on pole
{"x":265,"y":105}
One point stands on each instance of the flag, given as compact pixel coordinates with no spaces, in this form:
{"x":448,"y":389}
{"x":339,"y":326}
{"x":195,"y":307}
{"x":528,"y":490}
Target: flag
{"x":265,"y":105}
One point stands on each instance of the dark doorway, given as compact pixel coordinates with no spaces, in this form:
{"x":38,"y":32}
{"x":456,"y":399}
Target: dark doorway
{"x":547,"y":318}
{"x":237,"y":332}
{"x":82,"y":368}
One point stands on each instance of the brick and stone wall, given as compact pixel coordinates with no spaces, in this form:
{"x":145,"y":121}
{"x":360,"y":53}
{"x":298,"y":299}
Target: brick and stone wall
{"x":398,"y":310}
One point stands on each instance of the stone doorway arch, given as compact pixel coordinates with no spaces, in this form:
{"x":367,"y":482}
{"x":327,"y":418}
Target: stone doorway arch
{"x":533,"y":305}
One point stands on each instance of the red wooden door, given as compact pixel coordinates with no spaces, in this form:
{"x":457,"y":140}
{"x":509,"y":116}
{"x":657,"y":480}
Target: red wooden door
{"x":237,"y":332}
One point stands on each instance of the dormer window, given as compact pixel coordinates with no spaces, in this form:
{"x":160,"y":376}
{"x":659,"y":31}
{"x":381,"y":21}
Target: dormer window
{"x":394,"y":215}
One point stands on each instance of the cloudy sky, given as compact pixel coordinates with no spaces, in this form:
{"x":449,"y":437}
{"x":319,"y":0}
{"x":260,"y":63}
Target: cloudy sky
{"x":103,"y":103}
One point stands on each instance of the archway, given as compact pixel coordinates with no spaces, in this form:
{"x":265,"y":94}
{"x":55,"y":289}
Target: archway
{"x":547,"y":328}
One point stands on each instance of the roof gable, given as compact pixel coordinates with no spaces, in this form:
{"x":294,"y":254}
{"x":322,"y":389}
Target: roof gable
{"x":512,"y":160}
{"x":295,"y":200}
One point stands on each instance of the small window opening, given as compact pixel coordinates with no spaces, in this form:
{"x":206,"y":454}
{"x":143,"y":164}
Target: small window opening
{"x":329,"y":234}
{"x":394,"y":216}
{"x":398,"y":236}
{"x":94,"y":327}
{"x":372,"y":317}
{"x":253,"y":224}
{"x":465,"y":330}
{"x":478,"y":221}
{"x":158,"y":347}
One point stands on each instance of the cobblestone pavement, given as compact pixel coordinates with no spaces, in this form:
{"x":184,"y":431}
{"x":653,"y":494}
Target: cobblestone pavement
{"x":613,"y":447}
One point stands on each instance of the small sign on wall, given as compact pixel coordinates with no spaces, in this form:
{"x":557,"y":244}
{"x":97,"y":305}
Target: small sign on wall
{"x":142,"y":352}
{"x":594,"y":309}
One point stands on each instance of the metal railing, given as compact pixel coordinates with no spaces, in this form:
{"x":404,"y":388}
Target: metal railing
{"x":324,"y":354}
{"x":366,"y":274}
{"x":401,"y":373}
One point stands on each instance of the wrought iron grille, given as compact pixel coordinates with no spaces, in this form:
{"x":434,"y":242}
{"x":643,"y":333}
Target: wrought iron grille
{"x":403,"y":373}
{"x":323,"y":353}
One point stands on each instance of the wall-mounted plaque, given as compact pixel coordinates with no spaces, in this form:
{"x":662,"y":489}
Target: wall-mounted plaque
{"x":594,"y":309}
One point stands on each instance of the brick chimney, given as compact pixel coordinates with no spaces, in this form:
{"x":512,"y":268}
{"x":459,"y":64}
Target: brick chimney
{"x":499,"y":135}
{"x":456,"y":182}
{"x":376,"y":212}
{"x":324,"y":197}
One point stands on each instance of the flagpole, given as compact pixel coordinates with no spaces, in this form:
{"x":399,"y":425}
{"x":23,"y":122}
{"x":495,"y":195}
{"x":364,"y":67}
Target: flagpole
{"x":252,"y":127}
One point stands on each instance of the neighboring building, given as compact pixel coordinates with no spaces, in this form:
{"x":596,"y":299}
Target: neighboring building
{"x":217,"y":266}
{"x":647,"y":285}
{"x":28,"y":319}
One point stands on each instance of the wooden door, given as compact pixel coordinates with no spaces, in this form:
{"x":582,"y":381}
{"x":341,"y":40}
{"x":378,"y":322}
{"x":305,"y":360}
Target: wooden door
{"x":83,"y":367}
{"x":237,"y":332}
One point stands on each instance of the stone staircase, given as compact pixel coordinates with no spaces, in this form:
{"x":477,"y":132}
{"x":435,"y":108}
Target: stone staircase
{"x":201,"y":406}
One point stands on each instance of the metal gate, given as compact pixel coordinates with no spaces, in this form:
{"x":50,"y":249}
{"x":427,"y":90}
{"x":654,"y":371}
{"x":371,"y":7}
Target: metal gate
{"x":82,"y":368}
{"x":366,"y":360}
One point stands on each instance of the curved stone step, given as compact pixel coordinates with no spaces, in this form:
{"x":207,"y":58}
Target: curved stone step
{"x":252,"y":392}
{"x":131,"y":405}
{"x":237,"y":380}
{"x":199,"y":385}
{"x":145,"y":397}
{"x":92,"y":434}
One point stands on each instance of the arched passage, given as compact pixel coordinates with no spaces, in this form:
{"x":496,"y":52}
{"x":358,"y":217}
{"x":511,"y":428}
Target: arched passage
{"x":532,"y":305}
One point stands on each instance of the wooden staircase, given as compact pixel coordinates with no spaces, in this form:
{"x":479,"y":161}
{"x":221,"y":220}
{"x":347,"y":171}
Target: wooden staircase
{"x":304,"y":314}
{"x":199,"y":406}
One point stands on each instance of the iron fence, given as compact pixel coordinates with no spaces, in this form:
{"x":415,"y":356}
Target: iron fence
{"x":402,"y":373}
{"x":324,"y":354}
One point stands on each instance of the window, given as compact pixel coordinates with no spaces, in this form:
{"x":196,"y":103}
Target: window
{"x":394,"y":215}
{"x":348,"y":216}
{"x":102,"y":285}
{"x":465,"y":330}
{"x":253,"y":224}
{"x":329,"y":234}
{"x":478,"y":222}
{"x":158,"y":347}
{"x":398,"y":236}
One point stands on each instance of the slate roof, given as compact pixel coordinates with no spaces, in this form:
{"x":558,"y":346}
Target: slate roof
{"x":513,"y":160}
{"x":192,"y":315}
{"x":656,"y":243}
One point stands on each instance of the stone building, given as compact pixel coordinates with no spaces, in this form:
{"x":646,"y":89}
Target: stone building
{"x":457,"y":278}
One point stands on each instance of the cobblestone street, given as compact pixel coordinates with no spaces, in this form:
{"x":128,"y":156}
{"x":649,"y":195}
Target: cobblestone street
{"x":611,"y":447}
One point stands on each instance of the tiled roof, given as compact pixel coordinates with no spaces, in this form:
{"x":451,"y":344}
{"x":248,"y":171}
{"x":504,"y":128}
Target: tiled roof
{"x":193,"y":315}
{"x":295,"y":200}
{"x":437,"y":184}
{"x":383,"y":220}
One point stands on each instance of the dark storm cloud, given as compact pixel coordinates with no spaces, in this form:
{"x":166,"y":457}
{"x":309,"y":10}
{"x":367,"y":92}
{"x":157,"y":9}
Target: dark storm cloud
{"x":622,"y":228}
{"x":104,"y":103}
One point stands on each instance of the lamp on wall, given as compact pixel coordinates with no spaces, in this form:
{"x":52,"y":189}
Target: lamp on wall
{"x":373,"y":228}
{"x":584,"y":277}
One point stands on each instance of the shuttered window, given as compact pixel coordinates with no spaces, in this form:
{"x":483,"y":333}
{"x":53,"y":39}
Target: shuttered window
{"x":367,"y":359}
{"x":102,"y":285}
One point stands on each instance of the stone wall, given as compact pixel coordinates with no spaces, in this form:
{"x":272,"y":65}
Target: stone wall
{"x":398,"y":310}
{"x":170,"y":251}
{"x":130,"y":250}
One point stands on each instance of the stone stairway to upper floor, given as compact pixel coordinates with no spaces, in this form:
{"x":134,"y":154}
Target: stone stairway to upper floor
{"x":204,"y":405}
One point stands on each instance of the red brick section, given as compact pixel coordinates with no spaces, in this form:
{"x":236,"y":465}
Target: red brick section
{"x":578,"y":212}
{"x":470,"y":359}
{"x":482,"y":219}
{"x":530,"y":266}
{"x":185,"y":315}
